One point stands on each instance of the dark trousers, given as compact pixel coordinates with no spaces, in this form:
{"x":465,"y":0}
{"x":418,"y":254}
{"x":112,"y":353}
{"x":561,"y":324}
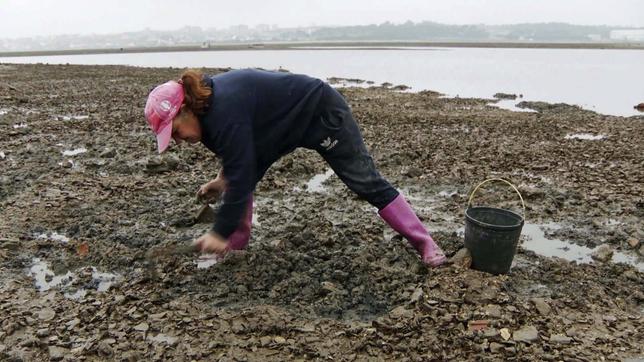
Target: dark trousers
{"x":336,"y":137}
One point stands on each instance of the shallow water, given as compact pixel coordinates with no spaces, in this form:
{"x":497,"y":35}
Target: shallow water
{"x":69,"y":118}
{"x":606,"y":81}
{"x":511,"y":105}
{"x":315,"y":183}
{"x":74,"y":152}
{"x":53,"y":236}
{"x":585,"y":136}
{"x":45,"y":279}
{"x":206,"y":261}
{"x":537,"y":242}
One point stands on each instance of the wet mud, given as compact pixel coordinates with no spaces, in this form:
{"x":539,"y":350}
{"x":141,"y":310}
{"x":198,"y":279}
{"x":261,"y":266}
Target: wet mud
{"x":94,"y":228}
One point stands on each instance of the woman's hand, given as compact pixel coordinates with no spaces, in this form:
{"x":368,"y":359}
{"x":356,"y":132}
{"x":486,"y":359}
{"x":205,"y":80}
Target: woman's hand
{"x":212,"y":189}
{"x":211,"y":243}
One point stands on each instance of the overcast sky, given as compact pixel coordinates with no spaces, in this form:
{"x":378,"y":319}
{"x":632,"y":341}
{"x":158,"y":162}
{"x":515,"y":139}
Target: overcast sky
{"x":22,"y":18}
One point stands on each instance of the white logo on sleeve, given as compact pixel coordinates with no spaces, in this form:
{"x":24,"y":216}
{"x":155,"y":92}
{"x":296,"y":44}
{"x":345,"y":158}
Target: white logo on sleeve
{"x":328,"y":144}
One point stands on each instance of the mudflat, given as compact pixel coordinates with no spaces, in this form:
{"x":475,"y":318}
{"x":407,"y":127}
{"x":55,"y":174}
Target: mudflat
{"x":93,"y":228}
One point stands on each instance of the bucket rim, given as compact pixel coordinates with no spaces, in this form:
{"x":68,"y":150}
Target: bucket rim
{"x":493,"y":226}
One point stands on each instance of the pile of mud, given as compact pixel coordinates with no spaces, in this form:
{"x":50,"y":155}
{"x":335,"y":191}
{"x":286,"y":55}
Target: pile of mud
{"x":85,"y":203}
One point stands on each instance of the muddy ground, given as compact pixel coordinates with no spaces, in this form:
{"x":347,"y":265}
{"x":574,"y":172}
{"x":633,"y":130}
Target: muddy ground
{"x":90,"y":269}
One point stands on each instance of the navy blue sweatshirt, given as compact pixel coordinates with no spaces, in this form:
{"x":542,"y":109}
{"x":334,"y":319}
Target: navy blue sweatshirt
{"x":254,"y":117}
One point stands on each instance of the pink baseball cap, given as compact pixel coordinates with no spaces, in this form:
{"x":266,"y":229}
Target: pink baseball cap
{"x":164,"y":102}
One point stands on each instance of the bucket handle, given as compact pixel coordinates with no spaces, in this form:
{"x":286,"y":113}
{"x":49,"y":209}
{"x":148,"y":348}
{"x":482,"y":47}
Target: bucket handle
{"x":469,"y":202}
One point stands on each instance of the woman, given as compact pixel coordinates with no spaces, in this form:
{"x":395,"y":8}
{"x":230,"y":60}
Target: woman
{"x":250,"y":118}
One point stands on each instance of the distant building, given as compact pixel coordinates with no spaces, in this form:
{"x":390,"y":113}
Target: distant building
{"x":627,"y":34}
{"x":595,"y":37}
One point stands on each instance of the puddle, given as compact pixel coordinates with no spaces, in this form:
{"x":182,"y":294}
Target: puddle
{"x":20,"y":125}
{"x":104,"y":280}
{"x":45,"y":279}
{"x":74,"y":152}
{"x":538,"y":242}
{"x":206,"y":261}
{"x":69,"y":118}
{"x":69,"y":162}
{"x":53,"y":236}
{"x":446,"y":193}
{"x":584,"y":136}
{"x":351,"y":84}
{"x":315,"y":183}
{"x":255,"y":219}
{"x":511,"y":105}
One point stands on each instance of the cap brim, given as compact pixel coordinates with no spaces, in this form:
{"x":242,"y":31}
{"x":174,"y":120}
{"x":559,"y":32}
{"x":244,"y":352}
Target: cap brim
{"x":163,"y":137}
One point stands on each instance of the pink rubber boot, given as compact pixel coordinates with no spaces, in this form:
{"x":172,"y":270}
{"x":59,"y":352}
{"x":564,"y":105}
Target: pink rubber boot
{"x":238,"y":240}
{"x":400,"y":216}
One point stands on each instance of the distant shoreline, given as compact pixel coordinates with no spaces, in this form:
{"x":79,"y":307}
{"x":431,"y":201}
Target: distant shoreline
{"x":364,"y":45}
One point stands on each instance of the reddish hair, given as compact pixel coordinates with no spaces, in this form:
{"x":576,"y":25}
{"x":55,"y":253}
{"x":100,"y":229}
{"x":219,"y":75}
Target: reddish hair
{"x":196,"y":92}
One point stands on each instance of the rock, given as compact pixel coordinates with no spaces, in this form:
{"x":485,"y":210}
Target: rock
{"x":401,"y":312}
{"x":560,"y":339}
{"x":532,"y":191}
{"x":603,"y":253}
{"x":400,"y":87}
{"x":541,"y":305}
{"x":29,"y":341}
{"x":477,"y":325}
{"x":108,"y":153}
{"x":205,"y":215}
{"x":490,"y":333}
{"x":412,"y":172}
{"x":43,"y":332}
{"x":609,"y":318}
{"x":172,"y":161}
{"x":46,"y":314}
{"x":505,"y":333}
{"x":164,"y":338}
{"x":329,"y":287}
{"x":142,"y":327}
{"x":265,"y":341}
{"x":417,"y":295}
{"x":631,"y":275}
{"x":104,"y":349}
{"x":495,"y":347}
{"x":633,"y":242}
{"x":501,"y":95}
{"x":493,"y":311}
{"x":641,"y":250}
{"x":572,"y":332}
{"x":159,"y":164}
{"x":279,"y":340}
{"x":462,"y":259}
{"x":57,"y":353}
{"x":526,"y":334}
{"x":73,"y":323}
